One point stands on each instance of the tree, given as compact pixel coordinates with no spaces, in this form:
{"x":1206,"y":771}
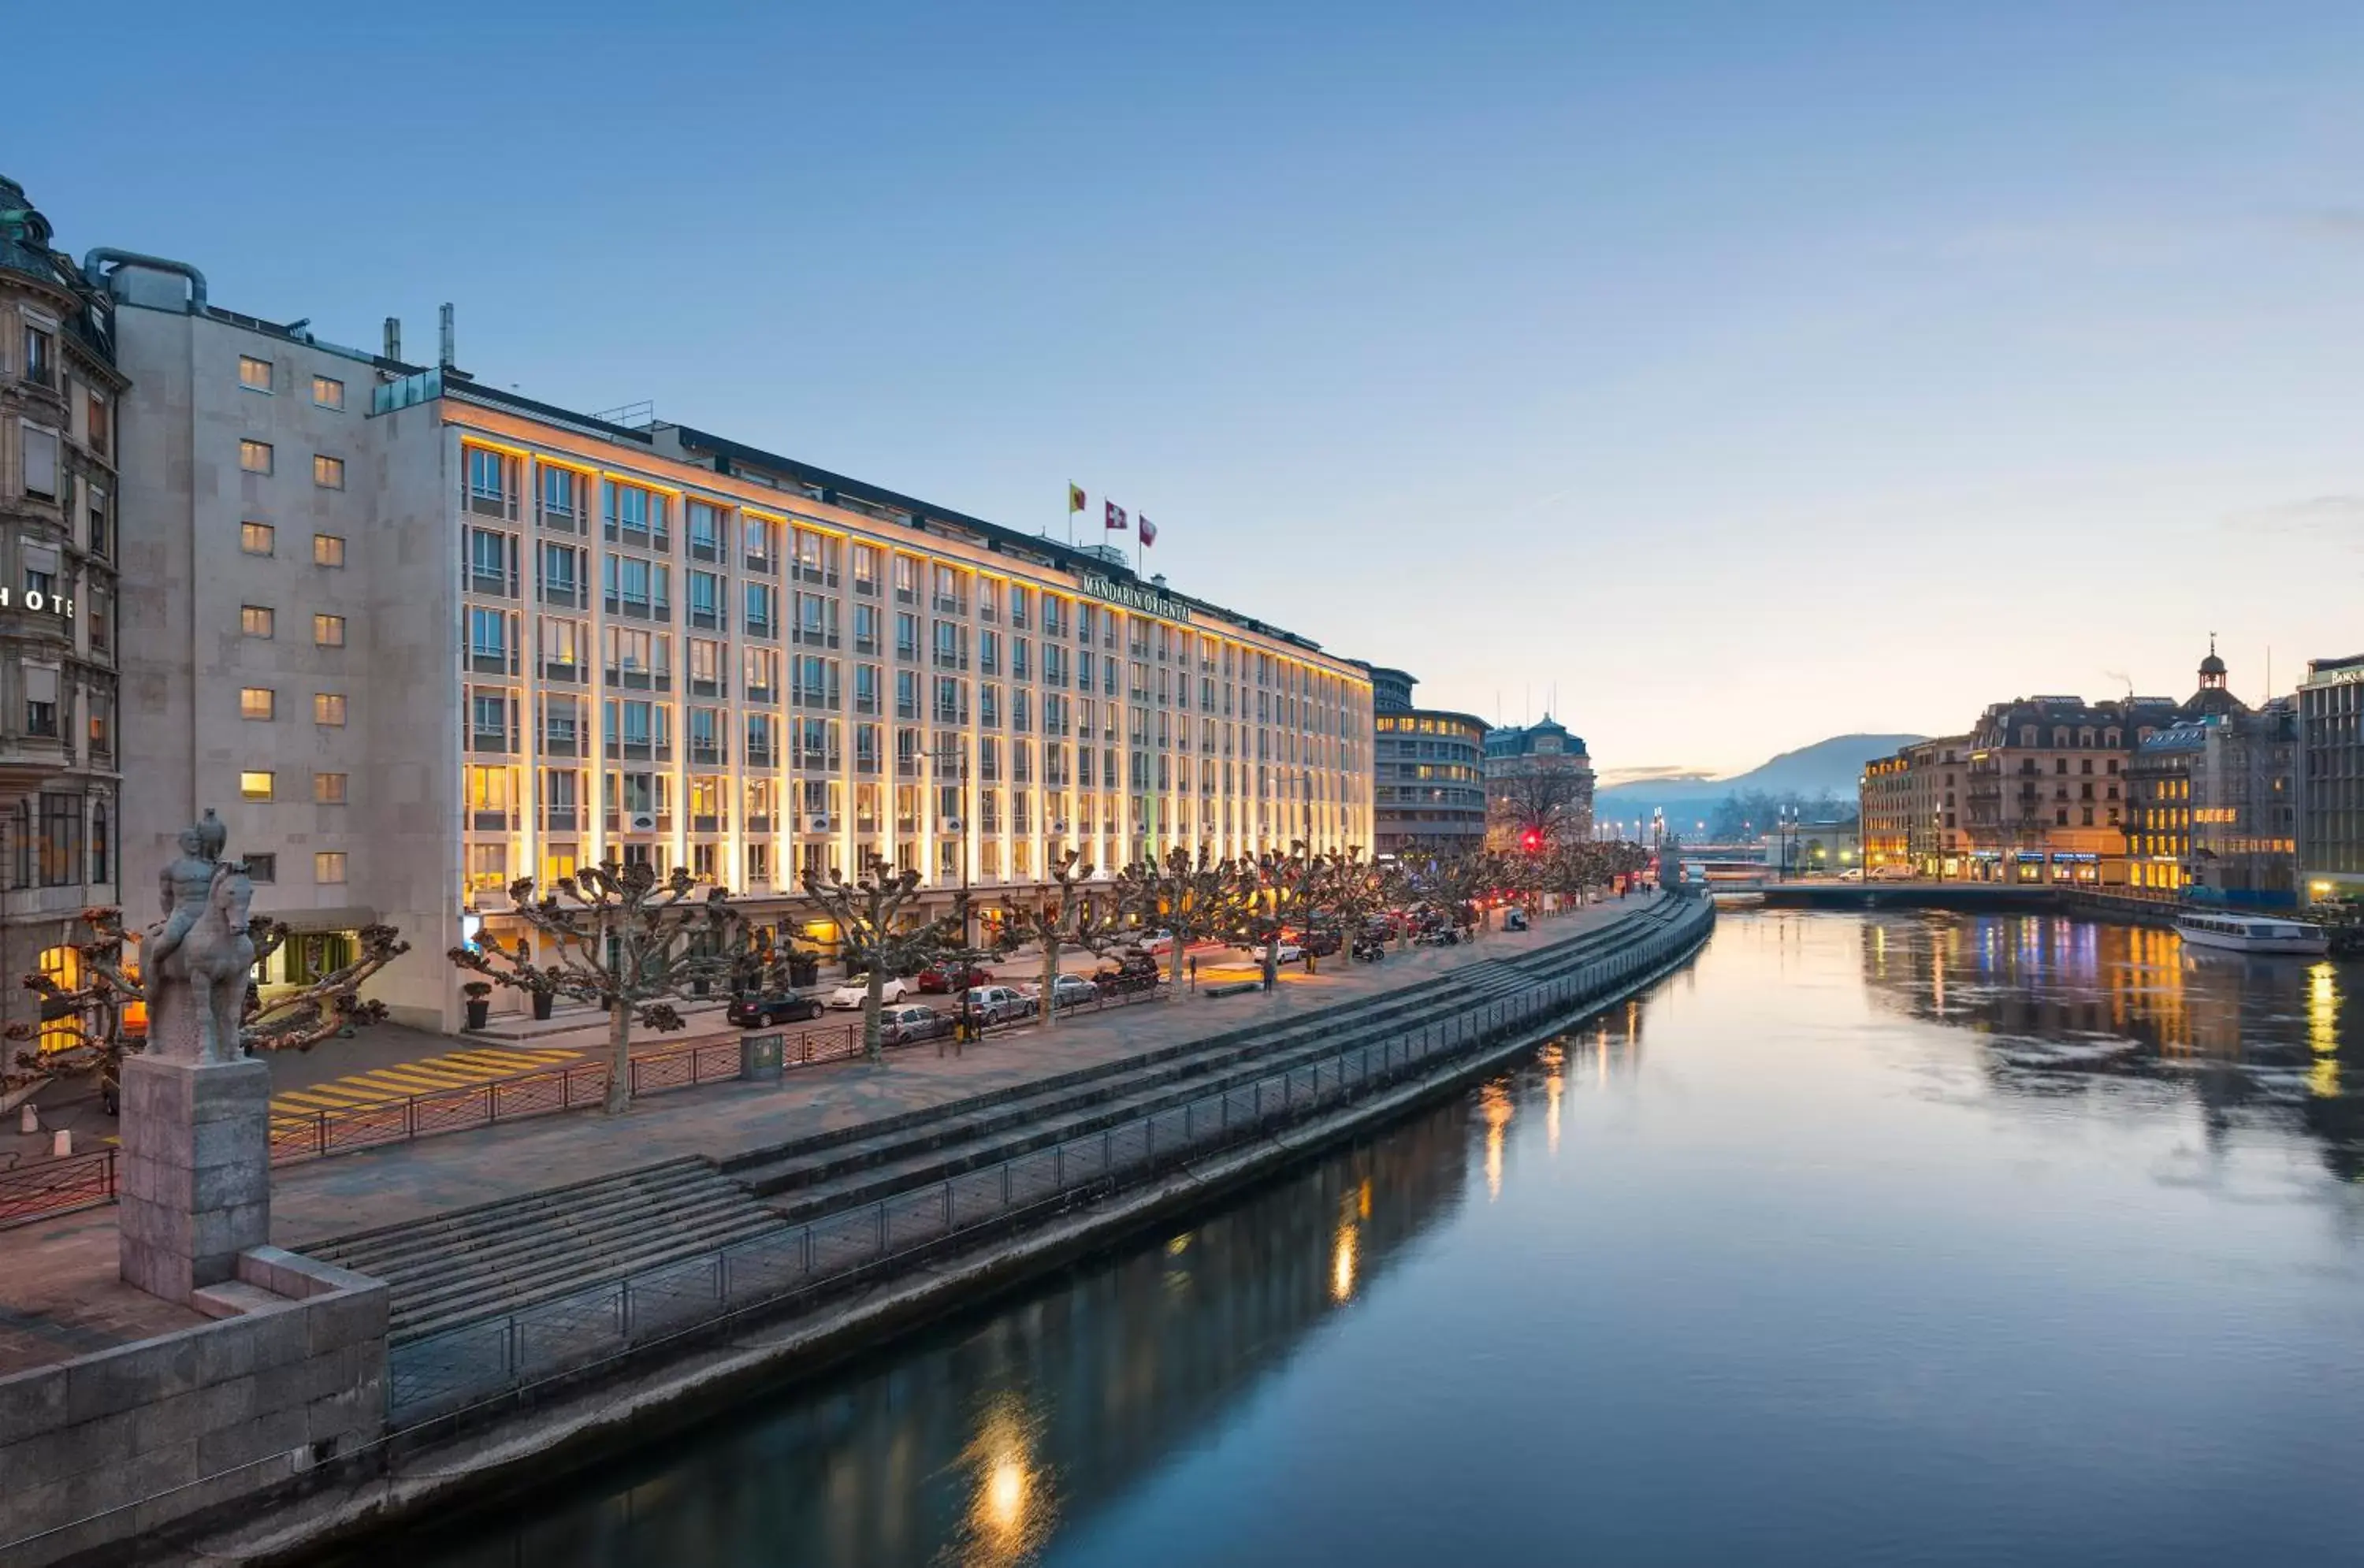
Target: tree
{"x":1272,"y":893}
{"x":1068,"y":914}
{"x":1352,"y":891}
{"x":875,"y":929}
{"x":623,"y":938}
{"x":1450,"y":882}
{"x":92,"y":1011}
{"x":1536,"y":807}
{"x":1189,"y":893}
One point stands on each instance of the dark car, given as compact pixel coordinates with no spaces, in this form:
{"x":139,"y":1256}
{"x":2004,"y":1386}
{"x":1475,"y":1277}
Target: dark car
{"x":752,"y":1012}
{"x":1321,"y":944}
{"x":942,"y":979}
{"x":1133,"y":972}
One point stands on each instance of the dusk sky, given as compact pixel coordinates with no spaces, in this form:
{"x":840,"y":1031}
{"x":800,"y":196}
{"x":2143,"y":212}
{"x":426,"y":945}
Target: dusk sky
{"x":1745,"y":374}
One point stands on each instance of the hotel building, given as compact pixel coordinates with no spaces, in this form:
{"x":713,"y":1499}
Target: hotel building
{"x":1431,"y":765}
{"x":417,"y":638}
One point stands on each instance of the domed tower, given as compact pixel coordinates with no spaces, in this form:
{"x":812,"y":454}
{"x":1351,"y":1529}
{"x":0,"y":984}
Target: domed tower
{"x":2214,"y":697}
{"x":2212,"y":669}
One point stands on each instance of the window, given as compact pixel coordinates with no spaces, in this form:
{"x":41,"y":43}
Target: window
{"x":328,"y":473}
{"x":328,"y":789}
{"x":329,"y":707}
{"x":327,"y":550}
{"x":255,"y":374}
{"x":40,"y":462}
{"x":327,"y":632}
{"x":255,"y":785}
{"x":256,"y":620}
{"x":61,"y":845}
{"x":263,"y":868}
{"x":329,"y":867}
{"x":256,"y":539}
{"x":41,"y":360}
{"x":254,"y":456}
{"x":102,"y":532}
{"x":42,"y":700}
{"x":328,"y":392}
{"x":256,"y":702}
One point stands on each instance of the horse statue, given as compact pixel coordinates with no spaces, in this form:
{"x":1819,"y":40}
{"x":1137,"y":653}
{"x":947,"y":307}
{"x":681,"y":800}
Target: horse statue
{"x":197,"y":991}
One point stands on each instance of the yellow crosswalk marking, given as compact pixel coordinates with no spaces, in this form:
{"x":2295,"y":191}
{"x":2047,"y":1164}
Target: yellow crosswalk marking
{"x":458,"y":1069}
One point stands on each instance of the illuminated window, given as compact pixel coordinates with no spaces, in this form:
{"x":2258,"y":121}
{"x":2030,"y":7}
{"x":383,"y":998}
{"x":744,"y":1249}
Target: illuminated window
{"x":328,"y":473}
{"x":256,"y":702}
{"x":256,"y":620}
{"x":328,"y":392}
{"x":255,"y":785}
{"x":329,"y":707}
{"x":327,"y":550}
{"x":328,"y":789}
{"x":61,"y":966}
{"x":256,"y":539}
{"x":329,"y":631}
{"x":254,"y":457}
{"x":255,"y":374}
{"x":329,"y":866}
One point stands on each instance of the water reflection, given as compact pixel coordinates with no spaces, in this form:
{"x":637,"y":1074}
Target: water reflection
{"x":2063,"y":1004}
{"x":971,"y":1452}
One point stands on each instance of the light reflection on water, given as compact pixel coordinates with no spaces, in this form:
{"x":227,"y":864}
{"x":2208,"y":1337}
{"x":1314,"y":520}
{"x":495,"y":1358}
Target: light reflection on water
{"x":1934,"y":1239}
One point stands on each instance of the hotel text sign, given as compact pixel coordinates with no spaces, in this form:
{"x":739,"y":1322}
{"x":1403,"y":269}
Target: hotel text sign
{"x":34,"y":599}
{"x":1133,"y":598}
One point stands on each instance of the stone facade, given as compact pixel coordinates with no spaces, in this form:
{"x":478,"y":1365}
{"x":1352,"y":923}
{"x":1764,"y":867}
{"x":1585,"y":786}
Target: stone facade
{"x":1538,"y":781}
{"x":60,"y":406}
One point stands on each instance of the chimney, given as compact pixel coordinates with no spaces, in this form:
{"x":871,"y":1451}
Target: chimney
{"x":394,"y":336}
{"x":446,"y":314}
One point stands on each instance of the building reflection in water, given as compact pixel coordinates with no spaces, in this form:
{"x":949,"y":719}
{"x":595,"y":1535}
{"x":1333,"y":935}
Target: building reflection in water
{"x":2064,"y":1004}
{"x":969,"y":1449}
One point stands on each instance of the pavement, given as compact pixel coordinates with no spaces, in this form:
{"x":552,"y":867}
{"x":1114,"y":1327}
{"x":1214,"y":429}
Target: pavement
{"x":60,"y":1297}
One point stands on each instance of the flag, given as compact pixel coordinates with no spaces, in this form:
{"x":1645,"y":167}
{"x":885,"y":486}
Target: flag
{"x":1115,"y":517}
{"x":1148,"y":531}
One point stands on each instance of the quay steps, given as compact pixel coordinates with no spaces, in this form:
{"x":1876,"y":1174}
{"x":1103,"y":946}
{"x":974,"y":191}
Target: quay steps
{"x":478,"y":1263}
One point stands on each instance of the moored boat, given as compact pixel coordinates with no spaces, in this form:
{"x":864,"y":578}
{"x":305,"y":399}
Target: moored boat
{"x":2253,"y":933}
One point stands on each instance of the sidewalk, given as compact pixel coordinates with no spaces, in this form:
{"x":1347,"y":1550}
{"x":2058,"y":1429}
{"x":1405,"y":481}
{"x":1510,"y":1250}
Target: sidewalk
{"x":57,"y":1290}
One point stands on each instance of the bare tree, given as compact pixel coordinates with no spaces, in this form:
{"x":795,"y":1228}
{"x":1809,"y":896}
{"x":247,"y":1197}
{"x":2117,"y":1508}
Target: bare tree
{"x":1352,"y":891}
{"x":1535,"y":807}
{"x":93,"y":1012}
{"x":875,"y":929}
{"x":1068,"y":914}
{"x":1189,"y":894}
{"x":1450,"y":882}
{"x":1271,"y":894}
{"x":624,"y":939}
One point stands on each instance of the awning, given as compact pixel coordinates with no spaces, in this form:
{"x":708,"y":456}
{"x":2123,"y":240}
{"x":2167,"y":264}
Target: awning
{"x":337,"y":918}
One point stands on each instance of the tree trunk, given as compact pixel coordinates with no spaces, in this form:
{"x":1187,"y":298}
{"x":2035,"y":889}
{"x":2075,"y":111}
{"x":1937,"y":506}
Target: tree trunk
{"x":1181,"y":940}
{"x":1050,"y":1008}
{"x":619,"y":1057}
{"x":871,"y":1003}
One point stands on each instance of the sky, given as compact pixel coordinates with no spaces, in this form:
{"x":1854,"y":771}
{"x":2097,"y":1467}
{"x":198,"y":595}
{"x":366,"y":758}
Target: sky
{"x":1721,"y":377}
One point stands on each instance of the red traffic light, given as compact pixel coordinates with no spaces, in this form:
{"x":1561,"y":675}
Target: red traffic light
{"x":1532,"y":839}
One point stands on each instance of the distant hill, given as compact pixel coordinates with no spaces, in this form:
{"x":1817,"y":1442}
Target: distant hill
{"x":1827,"y":767}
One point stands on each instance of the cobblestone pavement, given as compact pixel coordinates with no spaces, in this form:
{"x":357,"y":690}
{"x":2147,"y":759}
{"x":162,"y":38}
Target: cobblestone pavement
{"x":59,"y":1295}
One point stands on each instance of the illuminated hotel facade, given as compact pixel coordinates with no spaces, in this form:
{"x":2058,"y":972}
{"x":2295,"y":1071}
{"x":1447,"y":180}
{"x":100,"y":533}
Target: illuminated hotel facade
{"x":553,"y":641}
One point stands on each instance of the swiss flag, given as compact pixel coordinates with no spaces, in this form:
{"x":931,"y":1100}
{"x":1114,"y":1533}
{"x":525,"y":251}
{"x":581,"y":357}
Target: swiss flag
{"x":1115,"y":517}
{"x":1148,"y":531}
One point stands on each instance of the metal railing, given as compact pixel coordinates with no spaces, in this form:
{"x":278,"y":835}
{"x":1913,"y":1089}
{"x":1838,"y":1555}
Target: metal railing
{"x":444,"y":1373}
{"x":50,"y":1187}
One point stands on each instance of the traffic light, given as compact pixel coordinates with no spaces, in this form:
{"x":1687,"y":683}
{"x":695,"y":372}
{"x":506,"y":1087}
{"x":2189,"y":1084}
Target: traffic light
{"x":1532,"y":839}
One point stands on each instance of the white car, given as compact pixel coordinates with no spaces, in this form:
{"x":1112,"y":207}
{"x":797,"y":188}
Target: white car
{"x":855,"y":992}
{"x":1156,"y":942}
{"x":1289,"y":952}
{"x":996,"y":1004}
{"x":1072,"y":990}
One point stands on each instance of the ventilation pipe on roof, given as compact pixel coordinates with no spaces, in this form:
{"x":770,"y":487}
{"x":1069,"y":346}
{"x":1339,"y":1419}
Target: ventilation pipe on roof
{"x":392,"y":336}
{"x":93,"y":262}
{"x":445,"y":315}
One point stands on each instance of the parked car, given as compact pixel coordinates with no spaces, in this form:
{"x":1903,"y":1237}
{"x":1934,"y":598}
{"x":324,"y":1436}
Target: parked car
{"x":1070,"y":990}
{"x":996,"y":1004}
{"x":940,"y":979}
{"x":749,"y":1011}
{"x":856,"y":991}
{"x":1133,"y":972}
{"x":1894,"y":873}
{"x":1156,"y":941}
{"x":1321,"y":944}
{"x":1852,"y":873}
{"x":1289,"y":950}
{"x":902,"y":1024}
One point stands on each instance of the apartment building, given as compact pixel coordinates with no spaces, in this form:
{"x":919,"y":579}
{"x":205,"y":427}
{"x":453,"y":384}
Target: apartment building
{"x":1538,"y":780}
{"x":1430,"y":793}
{"x":427,"y":639}
{"x":2330,"y":783}
{"x":60,"y":392}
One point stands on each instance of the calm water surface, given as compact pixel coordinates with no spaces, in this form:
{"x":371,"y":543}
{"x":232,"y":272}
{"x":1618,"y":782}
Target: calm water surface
{"x":1917,"y":1239}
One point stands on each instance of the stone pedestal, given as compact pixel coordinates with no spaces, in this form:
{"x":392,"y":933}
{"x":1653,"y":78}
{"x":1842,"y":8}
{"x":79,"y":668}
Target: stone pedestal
{"x":194,"y":1179}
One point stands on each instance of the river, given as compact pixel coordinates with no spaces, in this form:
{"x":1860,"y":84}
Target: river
{"x":1939,"y":1239}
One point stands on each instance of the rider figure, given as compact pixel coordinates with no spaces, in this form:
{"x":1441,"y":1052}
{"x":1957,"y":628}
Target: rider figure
{"x":186,"y":886}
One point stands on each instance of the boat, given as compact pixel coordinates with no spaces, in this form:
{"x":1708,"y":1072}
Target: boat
{"x":2253,"y":933}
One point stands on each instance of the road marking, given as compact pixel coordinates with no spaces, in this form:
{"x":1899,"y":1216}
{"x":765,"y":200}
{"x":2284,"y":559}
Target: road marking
{"x":432,"y":1075}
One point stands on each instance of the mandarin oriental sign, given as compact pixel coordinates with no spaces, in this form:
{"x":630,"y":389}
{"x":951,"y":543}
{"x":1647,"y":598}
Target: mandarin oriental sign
{"x":1146,"y":601}
{"x":34,"y":599}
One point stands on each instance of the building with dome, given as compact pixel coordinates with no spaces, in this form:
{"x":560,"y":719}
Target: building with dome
{"x":2211,"y":808}
{"x":1538,"y":786}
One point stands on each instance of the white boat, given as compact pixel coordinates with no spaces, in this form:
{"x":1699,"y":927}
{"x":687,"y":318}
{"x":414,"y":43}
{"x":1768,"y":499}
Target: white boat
{"x":2252,"y":933}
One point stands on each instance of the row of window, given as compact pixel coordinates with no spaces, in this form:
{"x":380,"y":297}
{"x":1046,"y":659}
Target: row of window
{"x":328,"y":867}
{"x":328,"y":789}
{"x":263,"y":539}
{"x":263,"y":621}
{"x":256,"y":375}
{"x":261,"y":703}
{"x":262,"y":457}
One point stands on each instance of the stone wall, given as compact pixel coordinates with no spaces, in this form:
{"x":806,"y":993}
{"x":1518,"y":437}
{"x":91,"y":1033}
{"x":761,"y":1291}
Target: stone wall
{"x":125,"y":1441}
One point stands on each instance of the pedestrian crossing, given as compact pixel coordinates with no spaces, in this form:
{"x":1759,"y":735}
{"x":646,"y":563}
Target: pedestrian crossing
{"x":455,"y":1070}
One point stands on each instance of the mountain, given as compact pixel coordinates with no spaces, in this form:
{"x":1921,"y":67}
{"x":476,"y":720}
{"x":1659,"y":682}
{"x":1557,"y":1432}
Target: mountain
{"x":1827,"y":767}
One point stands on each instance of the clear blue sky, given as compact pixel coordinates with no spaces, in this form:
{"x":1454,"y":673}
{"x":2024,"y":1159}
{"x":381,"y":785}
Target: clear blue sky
{"x":1747,"y":373}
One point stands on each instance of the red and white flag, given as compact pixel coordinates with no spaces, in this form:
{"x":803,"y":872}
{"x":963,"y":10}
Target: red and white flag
{"x":1115,"y":517}
{"x":1148,"y":531}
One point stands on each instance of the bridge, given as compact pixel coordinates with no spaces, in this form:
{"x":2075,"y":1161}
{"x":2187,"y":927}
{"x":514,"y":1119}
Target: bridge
{"x":1972,"y":897}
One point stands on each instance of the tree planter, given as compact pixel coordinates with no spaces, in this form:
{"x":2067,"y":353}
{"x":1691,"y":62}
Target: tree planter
{"x":480,"y":1012}
{"x":541,"y":1001}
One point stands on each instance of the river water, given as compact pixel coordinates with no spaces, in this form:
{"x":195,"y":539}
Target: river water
{"x":1898,"y":1239}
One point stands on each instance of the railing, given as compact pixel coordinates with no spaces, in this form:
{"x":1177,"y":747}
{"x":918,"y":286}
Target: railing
{"x":52,"y":1187}
{"x":445,"y":1372}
